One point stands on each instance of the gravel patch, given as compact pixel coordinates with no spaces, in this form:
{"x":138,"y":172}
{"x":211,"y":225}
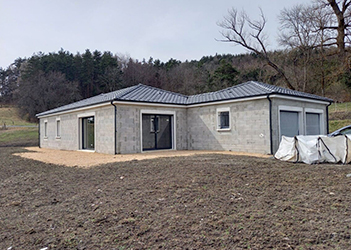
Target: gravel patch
{"x":89,"y":159}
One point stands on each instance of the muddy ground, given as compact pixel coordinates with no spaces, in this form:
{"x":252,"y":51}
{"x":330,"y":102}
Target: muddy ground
{"x":196,"y":202}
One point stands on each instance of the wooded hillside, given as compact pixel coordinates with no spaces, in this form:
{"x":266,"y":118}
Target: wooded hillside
{"x":46,"y":81}
{"x":315,"y":59}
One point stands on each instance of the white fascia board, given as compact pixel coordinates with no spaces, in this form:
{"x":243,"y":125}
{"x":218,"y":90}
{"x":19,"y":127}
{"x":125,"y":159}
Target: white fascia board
{"x":190,"y":105}
{"x":114,"y":102}
{"x":151,"y":104}
{"x":293,"y":98}
{"x":76,"y":110}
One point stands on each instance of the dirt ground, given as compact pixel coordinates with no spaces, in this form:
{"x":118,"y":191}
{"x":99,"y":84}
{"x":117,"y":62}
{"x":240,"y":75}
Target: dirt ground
{"x":201,"y":201}
{"x":89,"y":159}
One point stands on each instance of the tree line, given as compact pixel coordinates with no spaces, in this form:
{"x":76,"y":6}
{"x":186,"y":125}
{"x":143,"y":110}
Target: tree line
{"x":315,"y":58}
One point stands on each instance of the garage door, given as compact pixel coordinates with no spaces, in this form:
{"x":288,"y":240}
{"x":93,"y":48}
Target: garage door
{"x":289,"y":123}
{"x":313,"y":124}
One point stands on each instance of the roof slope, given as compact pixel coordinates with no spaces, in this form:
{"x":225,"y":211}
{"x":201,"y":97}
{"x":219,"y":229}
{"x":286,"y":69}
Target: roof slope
{"x":250,"y":89}
{"x":144,"y":93}
{"x":90,"y":101}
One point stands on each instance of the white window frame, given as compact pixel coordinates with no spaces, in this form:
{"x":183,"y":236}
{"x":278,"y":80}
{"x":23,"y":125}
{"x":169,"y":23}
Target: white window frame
{"x":321,"y":119}
{"x":159,"y":112}
{"x":80,"y":136}
{"x":299,"y":110}
{"x":220,"y":110}
{"x":45,"y":129}
{"x":58,"y":128}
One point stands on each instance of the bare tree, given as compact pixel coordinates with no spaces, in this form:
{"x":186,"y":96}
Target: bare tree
{"x":239,"y":29}
{"x":340,"y":12}
{"x":296,"y":34}
{"x":300,"y":32}
{"x":297,"y":28}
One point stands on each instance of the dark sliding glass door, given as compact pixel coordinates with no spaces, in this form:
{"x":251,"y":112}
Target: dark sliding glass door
{"x":157,"y":132}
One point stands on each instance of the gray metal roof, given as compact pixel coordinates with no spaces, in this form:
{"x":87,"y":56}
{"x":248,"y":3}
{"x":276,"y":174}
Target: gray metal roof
{"x":90,"y":101}
{"x":250,"y":89}
{"x":144,"y":93}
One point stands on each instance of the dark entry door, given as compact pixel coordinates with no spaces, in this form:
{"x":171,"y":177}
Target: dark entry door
{"x":157,"y":131}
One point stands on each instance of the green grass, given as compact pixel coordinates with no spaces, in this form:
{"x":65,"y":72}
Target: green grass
{"x":340,"y":115}
{"x":340,"y":107}
{"x":16,"y":135}
{"x":11,"y":117}
{"x":336,"y":124}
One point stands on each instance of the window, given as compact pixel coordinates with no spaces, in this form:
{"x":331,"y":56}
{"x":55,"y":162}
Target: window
{"x":345,"y":131}
{"x":223,"y":120}
{"x":45,"y":129}
{"x":154,"y":124}
{"x":313,"y":124}
{"x":58,"y":128}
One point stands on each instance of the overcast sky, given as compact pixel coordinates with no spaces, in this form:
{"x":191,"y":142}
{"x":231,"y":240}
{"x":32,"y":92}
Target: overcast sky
{"x":179,"y":29}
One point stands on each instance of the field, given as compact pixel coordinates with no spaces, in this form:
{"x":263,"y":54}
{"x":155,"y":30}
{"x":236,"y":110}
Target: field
{"x":195,"y":202}
{"x":339,"y":115}
{"x":23,"y":134}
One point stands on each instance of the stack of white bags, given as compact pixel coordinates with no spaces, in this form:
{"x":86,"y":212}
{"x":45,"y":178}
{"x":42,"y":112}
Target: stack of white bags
{"x":315,"y":149}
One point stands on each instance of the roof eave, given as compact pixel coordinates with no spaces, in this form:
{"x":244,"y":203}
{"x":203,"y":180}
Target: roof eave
{"x":71,"y":109}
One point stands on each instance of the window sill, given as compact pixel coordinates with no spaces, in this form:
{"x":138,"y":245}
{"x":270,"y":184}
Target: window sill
{"x":45,"y":138}
{"x":58,"y":137}
{"x":87,"y":150}
{"x":223,"y":129}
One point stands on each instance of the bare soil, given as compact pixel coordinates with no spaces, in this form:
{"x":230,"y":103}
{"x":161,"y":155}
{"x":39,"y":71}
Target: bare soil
{"x":202,"y":201}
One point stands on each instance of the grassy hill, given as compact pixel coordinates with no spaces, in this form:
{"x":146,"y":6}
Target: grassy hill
{"x":339,"y":115}
{"x":15,"y":131}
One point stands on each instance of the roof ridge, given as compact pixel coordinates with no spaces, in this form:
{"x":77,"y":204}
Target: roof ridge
{"x":168,"y":91}
{"x":221,"y":90}
{"x":265,"y":86}
{"x":132,"y":88}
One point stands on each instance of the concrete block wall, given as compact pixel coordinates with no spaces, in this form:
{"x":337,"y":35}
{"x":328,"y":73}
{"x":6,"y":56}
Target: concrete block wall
{"x":276,"y":102}
{"x":69,"y":132}
{"x":104,"y":130}
{"x":182,"y":129}
{"x":70,"y":138}
{"x":249,"y":121}
{"x":128,"y":127}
